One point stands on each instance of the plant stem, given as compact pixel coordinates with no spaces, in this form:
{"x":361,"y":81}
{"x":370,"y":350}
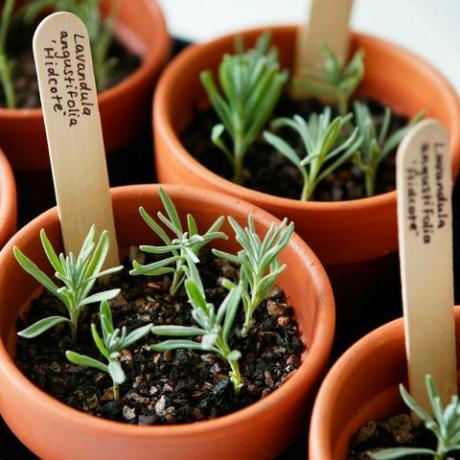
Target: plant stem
{"x":73,"y":326}
{"x":248,"y":321}
{"x":342,"y":100}
{"x":5,"y":63}
{"x":370,"y":182}
{"x":238,"y":155}
{"x":307,"y":191}
{"x":116,"y":391}
{"x":235,"y":375}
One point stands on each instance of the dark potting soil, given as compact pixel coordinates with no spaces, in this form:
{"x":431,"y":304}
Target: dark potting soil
{"x":25,"y":77}
{"x":397,"y":431}
{"x":266,"y":170}
{"x":178,"y":386}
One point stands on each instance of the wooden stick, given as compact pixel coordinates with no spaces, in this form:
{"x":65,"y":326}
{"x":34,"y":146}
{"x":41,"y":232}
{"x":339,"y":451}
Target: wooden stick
{"x":73,"y":128}
{"x":425,"y":245}
{"x":328,"y":22}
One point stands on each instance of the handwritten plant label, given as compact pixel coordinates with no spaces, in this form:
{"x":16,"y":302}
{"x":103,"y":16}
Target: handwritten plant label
{"x":424,"y":187}
{"x":73,"y":128}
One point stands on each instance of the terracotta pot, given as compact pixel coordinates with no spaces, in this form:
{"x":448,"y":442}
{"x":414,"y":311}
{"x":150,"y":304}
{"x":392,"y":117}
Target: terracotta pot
{"x":124,"y":108}
{"x":338,"y":232}
{"x":50,"y":428}
{"x":8,"y":205}
{"x":361,"y":386}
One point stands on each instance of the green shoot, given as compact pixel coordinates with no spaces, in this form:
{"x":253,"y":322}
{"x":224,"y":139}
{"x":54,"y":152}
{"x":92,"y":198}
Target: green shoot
{"x":251,"y":83}
{"x":445,"y":425}
{"x":110,"y":345}
{"x":100,"y":30}
{"x":182,"y":251}
{"x":6,"y":65}
{"x":376,"y":147}
{"x":214,"y":328}
{"x":78,"y":277}
{"x":258,"y":261}
{"x":325,"y":147}
{"x":335,"y":81}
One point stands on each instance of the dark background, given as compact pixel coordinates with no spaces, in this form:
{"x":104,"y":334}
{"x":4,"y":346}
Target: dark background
{"x":134,"y":165}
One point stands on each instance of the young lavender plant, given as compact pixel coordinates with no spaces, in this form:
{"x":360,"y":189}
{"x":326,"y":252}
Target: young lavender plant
{"x":110,"y":346}
{"x":213,"y":327}
{"x":336,"y":81}
{"x":6,"y":64}
{"x":251,"y":83}
{"x":78,"y":277}
{"x":258,"y":261}
{"x":445,"y":425}
{"x":183,"y":250}
{"x":324,"y":143}
{"x":100,"y":30}
{"x":376,"y":146}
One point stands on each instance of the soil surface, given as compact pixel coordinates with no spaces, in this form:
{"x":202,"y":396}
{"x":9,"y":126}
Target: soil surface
{"x":266,"y":170}
{"x":397,"y":431}
{"x":171,"y":387}
{"x":25,"y":77}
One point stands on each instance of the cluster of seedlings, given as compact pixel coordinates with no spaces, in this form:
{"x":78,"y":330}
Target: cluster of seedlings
{"x":178,"y":258}
{"x":250,"y":85}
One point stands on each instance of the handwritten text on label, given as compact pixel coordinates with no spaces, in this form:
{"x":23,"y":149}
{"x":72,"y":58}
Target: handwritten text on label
{"x":67,"y":77}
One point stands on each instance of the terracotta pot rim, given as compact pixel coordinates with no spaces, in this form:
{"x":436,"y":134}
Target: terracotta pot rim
{"x":162,"y":122}
{"x":323,"y":411}
{"x":8,"y":209}
{"x":312,"y":364}
{"x":154,"y":57}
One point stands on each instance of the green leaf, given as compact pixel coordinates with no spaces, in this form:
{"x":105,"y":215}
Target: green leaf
{"x":283,"y":147}
{"x":116,"y":372}
{"x":226,"y":256}
{"x":136,"y":335}
{"x":42,"y":326}
{"x":100,"y":297}
{"x":400,"y":452}
{"x":154,"y":226}
{"x":50,"y":253}
{"x":233,"y":300}
{"x":98,"y":342}
{"x":175,"y":344}
{"x":178,"y":331}
{"x":82,"y":360}
{"x":170,"y":208}
{"x":33,"y":270}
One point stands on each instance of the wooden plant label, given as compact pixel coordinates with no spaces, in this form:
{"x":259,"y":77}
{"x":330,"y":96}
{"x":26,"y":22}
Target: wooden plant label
{"x":425,"y":241}
{"x":73,"y":127}
{"x":327,"y":22}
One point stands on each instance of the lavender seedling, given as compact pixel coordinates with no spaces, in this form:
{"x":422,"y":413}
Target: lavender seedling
{"x":376,"y":147}
{"x":336,"y":81}
{"x":445,"y":425}
{"x":110,"y":346}
{"x":78,"y":277}
{"x":183,"y":250}
{"x":324,"y":143}
{"x":6,"y":64}
{"x":258,"y":261}
{"x":251,"y":82}
{"x":213,"y":328}
{"x":100,"y":31}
